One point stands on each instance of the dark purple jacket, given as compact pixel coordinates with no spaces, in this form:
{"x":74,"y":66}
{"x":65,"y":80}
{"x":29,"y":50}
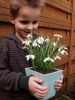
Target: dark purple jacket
{"x":13,"y":81}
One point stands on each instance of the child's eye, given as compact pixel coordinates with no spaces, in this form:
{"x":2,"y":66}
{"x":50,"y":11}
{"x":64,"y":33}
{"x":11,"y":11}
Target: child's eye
{"x":27,"y":22}
{"x":35,"y":22}
{"x":24,"y":22}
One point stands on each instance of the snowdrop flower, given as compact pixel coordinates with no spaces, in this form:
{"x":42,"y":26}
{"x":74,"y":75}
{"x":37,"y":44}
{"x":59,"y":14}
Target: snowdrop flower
{"x":24,"y":47}
{"x":48,"y":59}
{"x":57,"y":57}
{"x":40,"y":40}
{"x":30,"y":57}
{"x":61,"y":48}
{"x":29,"y":36}
{"x":47,"y":40}
{"x":58,"y":36}
{"x":65,"y":48}
{"x":27,"y":42}
{"x":63,"y":52}
{"x":35,"y":44}
{"x":54,"y":44}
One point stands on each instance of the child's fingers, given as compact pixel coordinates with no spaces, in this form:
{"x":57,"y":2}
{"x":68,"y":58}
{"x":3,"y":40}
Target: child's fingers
{"x":43,"y":91}
{"x":36,"y":79}
{"x":41,"y":88}
{"x":38,"y":95}
{"x":62,"y":77}
{"x":36,"y":87}
{"x":60,"y":81}
{"x":58,"y":84}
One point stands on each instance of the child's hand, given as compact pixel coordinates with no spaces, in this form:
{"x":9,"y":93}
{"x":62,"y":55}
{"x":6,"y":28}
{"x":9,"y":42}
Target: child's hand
{"x":59,"y":83}
{"x":36,"y":88}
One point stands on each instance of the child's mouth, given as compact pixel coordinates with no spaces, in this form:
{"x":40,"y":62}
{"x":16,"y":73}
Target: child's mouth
{"x":26,"y":33}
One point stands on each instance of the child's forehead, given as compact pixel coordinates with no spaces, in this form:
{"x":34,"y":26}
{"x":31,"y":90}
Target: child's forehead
{"x":29,"y":12}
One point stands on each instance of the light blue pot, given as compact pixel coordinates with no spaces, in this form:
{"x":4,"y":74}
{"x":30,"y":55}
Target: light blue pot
{"x":48,"y":80}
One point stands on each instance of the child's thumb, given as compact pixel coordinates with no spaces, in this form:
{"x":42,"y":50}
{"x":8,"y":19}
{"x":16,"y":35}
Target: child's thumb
{"x":38,"y":80}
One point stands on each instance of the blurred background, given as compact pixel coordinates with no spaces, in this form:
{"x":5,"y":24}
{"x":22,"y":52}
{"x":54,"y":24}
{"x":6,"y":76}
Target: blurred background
{"x":58,"y":17}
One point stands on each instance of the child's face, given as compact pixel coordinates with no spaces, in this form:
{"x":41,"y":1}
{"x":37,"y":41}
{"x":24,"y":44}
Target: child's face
{"x":27,"y":21}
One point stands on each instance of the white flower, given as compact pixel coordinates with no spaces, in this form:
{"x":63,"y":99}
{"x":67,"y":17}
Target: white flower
{"x":27,"y":42}
{"x":29,"y":36}
{"x":47,"y":40}
{"x":63,"y":52}
{"x":35,"y":44}
{"x":48,"y":59}
{"x":65,"y":48}
{"x":24,"y":47}
{"x":40,"y":40}
{"x":57,"y":35}
{"x":54,"y":44}
{"x":57,"y":57}
{"x":62,"y":48}
{"x":30,"y":57}
{"x":44,"y":51}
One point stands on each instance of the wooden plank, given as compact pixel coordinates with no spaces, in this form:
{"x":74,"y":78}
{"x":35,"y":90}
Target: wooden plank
{"x":73,"y":53}
{"x":65,"y":70}
{"x":55,"y":20}
{"x":64,"y":60}
{"x":73,"y":40}
{"x":67,"y":2}
{"x":72,"y":69}
{"x":4,"y":3}
{"x":4,"y":11}
{"x":5,"y":29}
{"x":61,"y":5}
{"x":55,"y":13}
{"x":4,"y":18}
{"x":54,"y":23}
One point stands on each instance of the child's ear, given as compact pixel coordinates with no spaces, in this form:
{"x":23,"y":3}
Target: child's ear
{"x":11,"y":19}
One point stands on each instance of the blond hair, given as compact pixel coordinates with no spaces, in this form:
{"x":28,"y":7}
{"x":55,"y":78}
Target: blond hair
{"x":15,"y":5}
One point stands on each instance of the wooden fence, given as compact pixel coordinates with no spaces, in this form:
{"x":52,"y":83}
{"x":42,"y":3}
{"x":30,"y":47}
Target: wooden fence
{"x":58,"y":16}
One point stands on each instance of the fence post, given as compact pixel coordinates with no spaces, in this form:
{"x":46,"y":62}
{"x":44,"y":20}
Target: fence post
{"x":71,"y":43}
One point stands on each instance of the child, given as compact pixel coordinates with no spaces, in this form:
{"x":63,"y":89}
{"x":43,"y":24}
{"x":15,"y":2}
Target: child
{"x":14,"y":85}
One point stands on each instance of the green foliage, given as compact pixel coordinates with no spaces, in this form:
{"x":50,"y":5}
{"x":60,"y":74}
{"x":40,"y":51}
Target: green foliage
{"x":43,"y":51}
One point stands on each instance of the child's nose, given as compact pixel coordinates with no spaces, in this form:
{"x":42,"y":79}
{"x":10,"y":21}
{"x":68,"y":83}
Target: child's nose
{"x":30,"y":27}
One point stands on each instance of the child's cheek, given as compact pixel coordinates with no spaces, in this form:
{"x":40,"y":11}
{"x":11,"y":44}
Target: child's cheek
{"x":36,"y":26}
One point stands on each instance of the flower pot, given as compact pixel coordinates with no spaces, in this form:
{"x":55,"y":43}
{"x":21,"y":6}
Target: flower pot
{"x":48,"y":80}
